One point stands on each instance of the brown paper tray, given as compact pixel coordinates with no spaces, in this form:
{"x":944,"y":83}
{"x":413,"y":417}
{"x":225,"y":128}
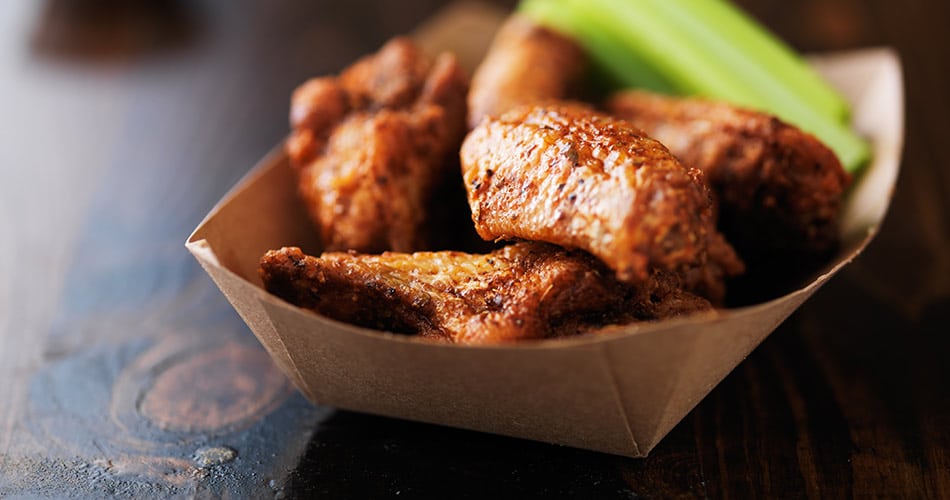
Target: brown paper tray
{"x":618,"y":392}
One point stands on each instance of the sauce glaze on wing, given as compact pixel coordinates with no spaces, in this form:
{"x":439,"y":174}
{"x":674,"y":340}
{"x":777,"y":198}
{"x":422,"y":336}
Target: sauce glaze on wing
{"x":372,"y":145}
{"x":522,"y":291}
{"x":565,"y":174}
{"x":778,"y":188}
{"x":526,"y":64}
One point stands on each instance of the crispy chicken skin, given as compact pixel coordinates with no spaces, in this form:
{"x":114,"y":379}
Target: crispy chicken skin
{"x":778,"y":188}
{"x":565,"y":174}
{"x":522,"y":291}
{"x":371,"y":146}
{"x":526,"y":63}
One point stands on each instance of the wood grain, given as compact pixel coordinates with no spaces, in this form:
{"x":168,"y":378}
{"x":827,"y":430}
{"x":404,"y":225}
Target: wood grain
{"x":123,"y":372}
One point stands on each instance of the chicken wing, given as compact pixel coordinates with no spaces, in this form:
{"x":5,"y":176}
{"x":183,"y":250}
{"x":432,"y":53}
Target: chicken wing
{"x":522,"y":291}
{"x":371,"y":146}
{"x":564,"y":174}
{"x":526,"y":63}
{"x":778,"y":188}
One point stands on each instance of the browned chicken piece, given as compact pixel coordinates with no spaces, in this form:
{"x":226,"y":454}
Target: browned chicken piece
{"x":709,"y":280}
{"x":778,"y":188}
{"x":526,"y":64}
{"x":663,"y":295}
{"x":522,"y":291}
{"x":565,"y":174}
{"x":371,"y":145}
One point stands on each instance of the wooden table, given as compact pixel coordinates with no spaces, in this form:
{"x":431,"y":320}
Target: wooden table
{"x":123,"y":371}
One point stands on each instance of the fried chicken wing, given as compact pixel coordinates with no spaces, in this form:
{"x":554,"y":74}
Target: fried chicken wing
{"x":522,"y":291}
{"x":526,"y":64}
{"x":778,"y":188}
{"x":564,"y":174}
{"x":371,"y":145}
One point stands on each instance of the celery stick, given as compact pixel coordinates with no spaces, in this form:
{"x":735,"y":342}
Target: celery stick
{"x":696,"y":56}
{"x":619,"y":67}
{"x":668,"y":39}
{"x":765,"y":90}
{"x":740,"y":42}
{"x":662,"y":45}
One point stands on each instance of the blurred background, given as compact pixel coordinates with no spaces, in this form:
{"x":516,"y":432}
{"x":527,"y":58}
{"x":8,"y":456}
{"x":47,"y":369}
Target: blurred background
{"x":123,"y":371}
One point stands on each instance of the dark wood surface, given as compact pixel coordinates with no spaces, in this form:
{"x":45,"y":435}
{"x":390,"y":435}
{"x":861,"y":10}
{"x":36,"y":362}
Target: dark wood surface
{"x":124,"y":372}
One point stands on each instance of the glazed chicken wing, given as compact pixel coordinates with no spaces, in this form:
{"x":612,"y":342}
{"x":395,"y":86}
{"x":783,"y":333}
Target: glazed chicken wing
{"x":564,"y":174}
{"x":523,"y":291}
{"x":371,"y":145}
{"x":778,"y":188}
{"x":526,"y":64}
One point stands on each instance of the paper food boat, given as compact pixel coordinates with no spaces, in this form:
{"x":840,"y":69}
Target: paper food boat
{"x":618,"y":392}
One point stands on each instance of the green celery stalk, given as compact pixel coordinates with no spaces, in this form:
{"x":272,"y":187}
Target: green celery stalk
{"x":755,"y":53}
{"x":698,"y":56}
{"x":616,"y":66}
{"x":661,"y":45}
